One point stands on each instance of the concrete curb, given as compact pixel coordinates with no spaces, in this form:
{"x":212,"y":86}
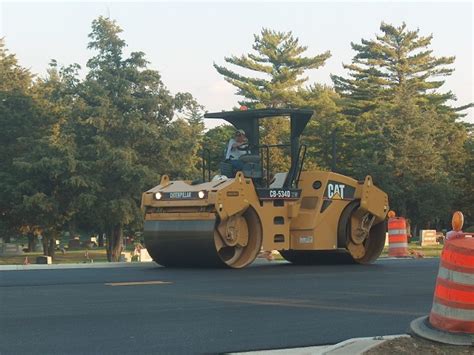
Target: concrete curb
{"x":74,"y":266}
{"x":422,"y":328}
{"x":358,"y":346}
{"x":115,"y":264}
{"x":354,"y":346}
{"x":93,"y":265}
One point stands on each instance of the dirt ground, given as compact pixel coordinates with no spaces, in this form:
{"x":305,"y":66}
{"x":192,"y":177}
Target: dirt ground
{"x":415,"y":345}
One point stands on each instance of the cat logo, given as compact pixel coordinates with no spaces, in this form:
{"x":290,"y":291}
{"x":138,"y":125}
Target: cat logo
{"x":336,"y":191}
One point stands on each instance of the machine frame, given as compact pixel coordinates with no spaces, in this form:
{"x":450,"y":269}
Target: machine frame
{"x":309,"y":216}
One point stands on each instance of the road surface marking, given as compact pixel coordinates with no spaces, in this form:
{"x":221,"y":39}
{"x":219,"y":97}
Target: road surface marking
{"x":137,"y":283}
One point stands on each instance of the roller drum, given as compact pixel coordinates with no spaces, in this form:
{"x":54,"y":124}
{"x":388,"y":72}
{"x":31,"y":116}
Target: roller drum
{"x":233,"y":243}
{"x":182,"y":243}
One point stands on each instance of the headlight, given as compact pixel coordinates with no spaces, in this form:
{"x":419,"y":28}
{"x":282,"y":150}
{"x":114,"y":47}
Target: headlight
{"x":158,"y":195}
{"x":201,"y":194}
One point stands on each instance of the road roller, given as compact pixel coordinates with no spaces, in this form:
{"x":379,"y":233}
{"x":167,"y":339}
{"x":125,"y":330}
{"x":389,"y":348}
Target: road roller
{"x":226,"y":220}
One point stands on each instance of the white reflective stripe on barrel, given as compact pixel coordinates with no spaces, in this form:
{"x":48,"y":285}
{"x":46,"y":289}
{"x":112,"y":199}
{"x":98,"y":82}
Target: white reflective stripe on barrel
{"x":456,"y":276}
{"x":397,"y":231}
{"x":398,"y":245}
{"x":455,"y":313}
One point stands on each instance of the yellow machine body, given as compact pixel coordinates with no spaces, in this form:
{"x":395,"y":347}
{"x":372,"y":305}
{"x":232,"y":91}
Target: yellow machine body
{"x":226,"y":222}
{"x":308,"y":216}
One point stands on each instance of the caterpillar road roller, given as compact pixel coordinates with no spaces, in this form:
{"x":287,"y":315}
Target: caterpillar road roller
{"x":225,"y":221}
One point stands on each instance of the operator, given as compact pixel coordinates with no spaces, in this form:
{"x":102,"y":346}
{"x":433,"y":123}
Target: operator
{"x":237,"y":147}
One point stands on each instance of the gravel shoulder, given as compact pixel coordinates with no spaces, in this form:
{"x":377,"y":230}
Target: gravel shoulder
{"x":414,"y":345}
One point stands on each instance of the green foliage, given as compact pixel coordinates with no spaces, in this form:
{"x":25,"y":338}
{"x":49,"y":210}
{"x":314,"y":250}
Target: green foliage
{"x":18,"y":115}
{"x":80,"y":152}
{"x":215,"y":142}
{"x":400,"y":128}
{"x":128,"y":136}
{"x":397,"y":60}
{"x":326,"y":122}
{"x":464,"y":178}
{"x":12,"y":76}
{"x":279,"y":66}
{"x":279,"y":61}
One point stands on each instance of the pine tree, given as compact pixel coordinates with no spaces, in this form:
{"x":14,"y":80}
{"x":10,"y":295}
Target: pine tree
{"x":402,"y":129}
{"x":398,"y":59}
{"x":279,"y":66}
{"x":465,"y":182}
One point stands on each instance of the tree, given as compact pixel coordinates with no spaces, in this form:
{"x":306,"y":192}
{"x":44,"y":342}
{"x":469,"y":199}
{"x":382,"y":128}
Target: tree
{"x":406,"y":162}
{"x":49,"y":179}
{"x":215,"y":142}
{"x":401,"y":128}
{"x":279,"y":65}
{"x":18,"y":117}
{"x":13,"y":76}
{"x":126,"y":111}
{"x":324,"y":132}
{"x":279,"y":60}
{"x":465,"y":184}
{"x":397,"y":60}
{"x":183,"y":138}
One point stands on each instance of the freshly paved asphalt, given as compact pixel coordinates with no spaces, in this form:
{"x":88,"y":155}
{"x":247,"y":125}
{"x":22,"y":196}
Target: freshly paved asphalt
{"x":268,"y":305}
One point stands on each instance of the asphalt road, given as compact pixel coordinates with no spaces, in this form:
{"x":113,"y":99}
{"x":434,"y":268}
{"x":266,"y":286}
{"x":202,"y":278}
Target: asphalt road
{"x":268,"y":305}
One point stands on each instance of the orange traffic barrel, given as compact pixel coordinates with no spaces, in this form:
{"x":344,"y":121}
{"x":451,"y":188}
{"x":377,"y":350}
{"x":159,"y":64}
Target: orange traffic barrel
{"x":397,"y":237}
{"x":453,"y":304}
{"x":451,"y":319}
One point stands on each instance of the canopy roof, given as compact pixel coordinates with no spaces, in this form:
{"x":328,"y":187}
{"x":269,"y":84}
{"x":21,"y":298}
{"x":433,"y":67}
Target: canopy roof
{"x":248,"y":120}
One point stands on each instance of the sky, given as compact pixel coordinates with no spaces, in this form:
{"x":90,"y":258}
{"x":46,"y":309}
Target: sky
{"x":182,"y":40}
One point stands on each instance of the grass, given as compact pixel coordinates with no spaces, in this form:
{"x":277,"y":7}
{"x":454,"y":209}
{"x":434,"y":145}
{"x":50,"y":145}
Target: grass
{"x":70,"y":257}
{"x":426,"y":251}
{"x":99,"y":255}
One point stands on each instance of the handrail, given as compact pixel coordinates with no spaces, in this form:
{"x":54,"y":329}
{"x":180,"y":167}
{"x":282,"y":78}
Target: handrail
{"x":267,"y":147}
{"x":302,"y":146}
{"x":267,"y":160}
{"x":296,"y":168}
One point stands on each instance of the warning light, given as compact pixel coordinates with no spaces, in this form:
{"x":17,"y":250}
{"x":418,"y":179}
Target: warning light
{"x":457,"y":221}
{"x":391,"y":214}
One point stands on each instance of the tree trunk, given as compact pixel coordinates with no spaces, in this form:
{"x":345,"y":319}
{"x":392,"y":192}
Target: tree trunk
{"x":101,"y":239}
{"x":49,"y":243}
{"x":52,"y":246}
{"x":108,"y":243}
{"x":44,"y":240}
{"x":31,"y":242}
{"x":114,"y":243}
